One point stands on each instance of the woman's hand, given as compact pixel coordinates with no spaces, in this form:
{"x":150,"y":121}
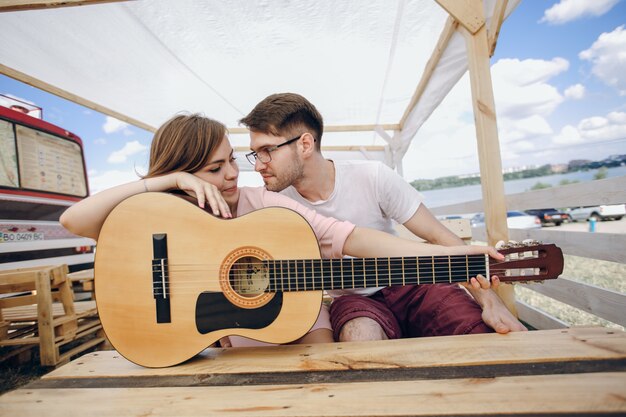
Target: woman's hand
{"x":204,"y":192}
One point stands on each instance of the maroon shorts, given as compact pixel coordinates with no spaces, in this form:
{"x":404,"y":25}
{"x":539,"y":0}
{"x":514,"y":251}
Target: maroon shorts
{"x":413,"y":311}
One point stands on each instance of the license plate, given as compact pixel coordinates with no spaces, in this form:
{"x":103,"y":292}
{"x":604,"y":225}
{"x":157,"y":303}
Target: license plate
{"x":20,"y":236}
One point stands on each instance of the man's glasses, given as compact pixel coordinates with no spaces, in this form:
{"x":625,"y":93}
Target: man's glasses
{"x":264,"y":155}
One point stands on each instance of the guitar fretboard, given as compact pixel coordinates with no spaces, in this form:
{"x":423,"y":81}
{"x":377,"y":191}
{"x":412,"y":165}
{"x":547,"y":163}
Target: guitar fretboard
{"x":332,"y":274}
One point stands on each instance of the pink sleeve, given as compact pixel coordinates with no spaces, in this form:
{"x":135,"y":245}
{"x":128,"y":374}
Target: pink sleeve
{"x":331,"y":233}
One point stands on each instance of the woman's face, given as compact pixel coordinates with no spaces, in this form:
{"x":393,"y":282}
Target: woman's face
{"x":222,"y":171}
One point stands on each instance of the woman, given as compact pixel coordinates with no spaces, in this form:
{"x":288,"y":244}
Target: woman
{"x":192,"y":154}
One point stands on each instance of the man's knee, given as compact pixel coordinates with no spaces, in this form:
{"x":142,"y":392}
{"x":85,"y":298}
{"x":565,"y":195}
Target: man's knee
{"x":361,"y":329}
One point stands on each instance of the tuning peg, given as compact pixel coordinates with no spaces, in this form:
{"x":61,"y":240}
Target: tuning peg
{"x":501,"y":245}
{"x":516,"y":244}
{"x":531,"y":242}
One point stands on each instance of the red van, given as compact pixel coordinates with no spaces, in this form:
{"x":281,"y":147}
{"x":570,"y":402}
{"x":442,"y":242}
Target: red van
{"x":42,"y":172}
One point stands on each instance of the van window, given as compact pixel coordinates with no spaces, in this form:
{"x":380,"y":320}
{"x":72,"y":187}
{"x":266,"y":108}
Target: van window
{"x":8,"y":156}
{"x":50,"y":163}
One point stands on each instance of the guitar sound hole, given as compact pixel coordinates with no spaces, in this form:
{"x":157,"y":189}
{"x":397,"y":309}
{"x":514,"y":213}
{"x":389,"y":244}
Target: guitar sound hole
{"x":248,"y":276}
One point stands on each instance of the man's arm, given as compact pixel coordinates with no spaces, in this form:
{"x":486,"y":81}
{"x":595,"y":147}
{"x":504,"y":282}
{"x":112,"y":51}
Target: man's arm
{"x":424,"y":225}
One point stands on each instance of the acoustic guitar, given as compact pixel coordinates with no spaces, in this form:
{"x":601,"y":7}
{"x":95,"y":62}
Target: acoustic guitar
{"x":171,"y":279}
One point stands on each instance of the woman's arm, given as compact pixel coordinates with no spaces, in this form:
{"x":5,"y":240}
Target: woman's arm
{"x":86,"y":217}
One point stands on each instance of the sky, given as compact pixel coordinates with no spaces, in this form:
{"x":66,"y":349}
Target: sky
{"x":559,"y":83}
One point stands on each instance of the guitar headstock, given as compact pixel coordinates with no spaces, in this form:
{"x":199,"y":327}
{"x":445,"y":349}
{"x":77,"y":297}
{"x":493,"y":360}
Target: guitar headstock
{"x":528,"y":261}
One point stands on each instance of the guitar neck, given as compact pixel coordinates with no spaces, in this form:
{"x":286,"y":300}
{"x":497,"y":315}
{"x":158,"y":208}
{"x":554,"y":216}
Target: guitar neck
{"x":348,"y":273}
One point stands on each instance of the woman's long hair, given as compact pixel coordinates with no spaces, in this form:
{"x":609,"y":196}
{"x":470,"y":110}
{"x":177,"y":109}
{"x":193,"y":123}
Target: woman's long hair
{"x":184,"y":143}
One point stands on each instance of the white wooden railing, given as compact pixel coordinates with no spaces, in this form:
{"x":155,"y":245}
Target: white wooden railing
{"x":603,"y":303}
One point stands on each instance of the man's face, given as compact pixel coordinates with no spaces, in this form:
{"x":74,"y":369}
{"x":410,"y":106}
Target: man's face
{"x":285,"y":166}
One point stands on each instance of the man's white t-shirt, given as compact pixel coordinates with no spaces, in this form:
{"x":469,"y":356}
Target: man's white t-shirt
{"x":368,"y":194}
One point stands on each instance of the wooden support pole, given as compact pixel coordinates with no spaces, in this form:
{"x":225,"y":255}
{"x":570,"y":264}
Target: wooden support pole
{"x":19,"y":5}
{"x":496,"y":23}
{"x":27,"y":79}
{"x":442,"y":44}
{"x":333,"y":128}
{"x":344,"y":148}
{"x":465,"y":12}
{"x":492,"y":181}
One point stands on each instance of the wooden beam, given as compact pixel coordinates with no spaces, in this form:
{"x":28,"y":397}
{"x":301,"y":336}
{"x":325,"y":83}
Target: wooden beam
{"x":371,"y":148}
{"x":19,"y":5}
{"x":607,"y":304}
{"x":467,"y":13}
{"x":601,"y":246}
{"x":27,"y":79}
{"x":590,"y":193}
{"x":487,"y":136}
{"x":496,"y":23}
{"x":335,"y":128}
{"x":488,"y":145}
{"x":539,"y":319}
{"x":444,"y":39}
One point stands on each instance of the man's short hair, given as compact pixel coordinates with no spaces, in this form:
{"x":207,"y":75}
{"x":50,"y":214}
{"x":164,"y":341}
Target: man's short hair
{"x":285,"y":114}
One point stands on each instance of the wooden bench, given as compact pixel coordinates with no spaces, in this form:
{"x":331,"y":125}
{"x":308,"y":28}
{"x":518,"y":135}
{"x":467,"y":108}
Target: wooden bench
{"x":552,"y":372}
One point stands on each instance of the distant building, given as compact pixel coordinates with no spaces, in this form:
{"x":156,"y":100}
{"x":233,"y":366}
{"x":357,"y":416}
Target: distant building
{"x":518,"y":169}
{"x":559,"y":168}
{"x":578,"y":163}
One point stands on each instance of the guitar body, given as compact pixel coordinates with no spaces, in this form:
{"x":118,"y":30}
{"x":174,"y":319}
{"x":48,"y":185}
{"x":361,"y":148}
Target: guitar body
{"x":204,"y":304}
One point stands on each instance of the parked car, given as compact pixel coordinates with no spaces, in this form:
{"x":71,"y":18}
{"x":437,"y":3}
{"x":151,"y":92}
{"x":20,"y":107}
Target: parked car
{"x":514,"y":220}
{"x":598,"y":213}
{"x":549,"y":216}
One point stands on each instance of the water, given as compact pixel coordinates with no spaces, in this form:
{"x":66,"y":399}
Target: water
{"x":446,"y":196}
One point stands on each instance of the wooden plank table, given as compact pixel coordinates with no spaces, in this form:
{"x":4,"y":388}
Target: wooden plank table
{"x":579,"y":371}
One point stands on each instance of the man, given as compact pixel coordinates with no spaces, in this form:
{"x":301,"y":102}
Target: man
{"x":285,"y":137}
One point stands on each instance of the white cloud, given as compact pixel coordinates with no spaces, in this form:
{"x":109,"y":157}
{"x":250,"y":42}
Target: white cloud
{"x":521,"y":88}
{"x":112,"y":125}
{"x":594,"y":129}
{"x":608,"y":58}
{"x":569,"y":135}
{"x":23,"y":100}
{"x":131,"y":148}
{"x":575,"y":92}
{"x":512,"y":130}
{"x":446,"y":143}
{"x":108,"y":179}
{"x":569,"y":10}
{"x":100,"y":141}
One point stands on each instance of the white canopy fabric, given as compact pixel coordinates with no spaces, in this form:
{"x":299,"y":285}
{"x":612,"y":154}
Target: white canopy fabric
{"x":358,"y":61}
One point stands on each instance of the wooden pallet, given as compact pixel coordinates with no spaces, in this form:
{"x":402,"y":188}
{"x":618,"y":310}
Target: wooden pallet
{"x":553,"y":372}
{"x":40,"y":311}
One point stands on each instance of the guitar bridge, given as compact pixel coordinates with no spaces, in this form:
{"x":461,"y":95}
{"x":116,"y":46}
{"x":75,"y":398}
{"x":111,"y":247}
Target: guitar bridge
{"x":160,"y":278}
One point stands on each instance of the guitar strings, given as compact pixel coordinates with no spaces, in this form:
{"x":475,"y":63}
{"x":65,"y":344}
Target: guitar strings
{"x":443,"y":259}
{"x":303,"y":283}
{"x":306,"y":281}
